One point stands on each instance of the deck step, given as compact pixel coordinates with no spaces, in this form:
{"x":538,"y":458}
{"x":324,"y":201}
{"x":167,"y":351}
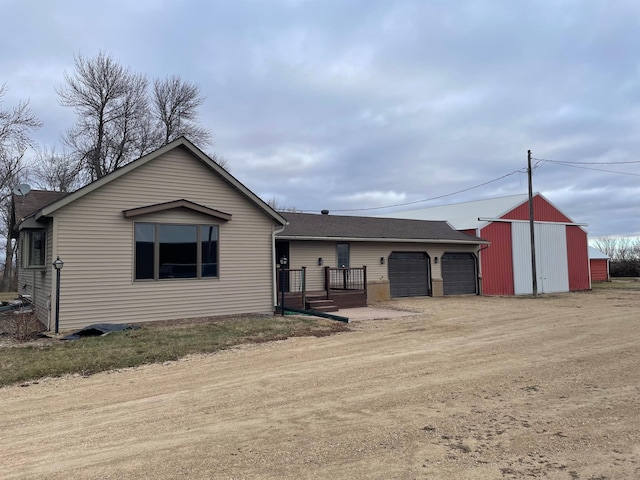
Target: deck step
{"x":321,"y":305}
{"x":315,"y":297}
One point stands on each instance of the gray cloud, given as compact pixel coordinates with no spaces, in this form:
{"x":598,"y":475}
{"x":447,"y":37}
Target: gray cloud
{"x":347,"y":105}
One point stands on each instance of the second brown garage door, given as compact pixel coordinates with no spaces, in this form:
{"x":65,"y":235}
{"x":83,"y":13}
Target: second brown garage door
{"x":459,"y":273}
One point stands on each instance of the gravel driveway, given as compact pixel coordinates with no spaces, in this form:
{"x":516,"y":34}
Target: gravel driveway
{"x":467,"y":388}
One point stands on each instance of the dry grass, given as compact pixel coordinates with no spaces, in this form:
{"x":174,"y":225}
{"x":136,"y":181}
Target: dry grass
{"x":151,"y":343}
{"x":618,"y":283}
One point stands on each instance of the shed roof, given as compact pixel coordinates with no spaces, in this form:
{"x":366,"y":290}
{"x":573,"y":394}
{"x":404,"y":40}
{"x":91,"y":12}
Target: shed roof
{"x":465,"y":215}
{"x":595,"y":254}
{"x":310,"y":226}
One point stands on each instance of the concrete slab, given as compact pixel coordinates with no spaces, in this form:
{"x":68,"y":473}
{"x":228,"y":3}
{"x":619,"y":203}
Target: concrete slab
{"x":370,"y":313}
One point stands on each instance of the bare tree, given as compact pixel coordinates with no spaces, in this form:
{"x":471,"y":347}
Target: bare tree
{"x":175,"y":104}
{"x":56,"y":171}
{"x":606,"y":245}
{"x":274,"y":203}
{"x":16,"y":125}
{"x":624,"y":253}
{"x":220,"y":160}
{"x":112,"y":107}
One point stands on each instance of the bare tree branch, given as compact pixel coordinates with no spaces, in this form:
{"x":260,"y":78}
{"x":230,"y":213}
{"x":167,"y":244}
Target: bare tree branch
{"x":56,"y":171}
{"x":16,"y":125}
{"x":175,"y":104}
{"x":220,"y":160}
{"x":112,"y":106}
{"x":274,"y":203}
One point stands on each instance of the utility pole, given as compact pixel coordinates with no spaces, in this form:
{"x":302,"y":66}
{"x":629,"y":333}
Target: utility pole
{"x":534,"y":274}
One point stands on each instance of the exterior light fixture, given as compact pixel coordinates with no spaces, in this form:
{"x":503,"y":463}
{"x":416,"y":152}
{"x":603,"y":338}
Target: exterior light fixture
{"x":57,"y":264}
{"x":283,"y":264}
{"x":435,"y":260}
{"x":381,"y":260}
{"x":320,"y":261}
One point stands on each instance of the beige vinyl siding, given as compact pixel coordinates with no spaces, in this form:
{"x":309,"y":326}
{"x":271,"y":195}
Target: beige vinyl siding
{"x":97,"y":245}
{"x":307,"y":252}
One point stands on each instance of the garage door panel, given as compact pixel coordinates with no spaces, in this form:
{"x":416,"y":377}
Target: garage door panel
{"x":459,"y":274}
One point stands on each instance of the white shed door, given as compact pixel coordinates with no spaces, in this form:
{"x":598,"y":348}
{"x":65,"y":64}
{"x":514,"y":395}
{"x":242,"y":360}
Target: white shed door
{"x":552,"y":265}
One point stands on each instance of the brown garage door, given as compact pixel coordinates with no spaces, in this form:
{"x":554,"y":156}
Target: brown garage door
{"x":459,"y":273}
{"x":409,"y":274}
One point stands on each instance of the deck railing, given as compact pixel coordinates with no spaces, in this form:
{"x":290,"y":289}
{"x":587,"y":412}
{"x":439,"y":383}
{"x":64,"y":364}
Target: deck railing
{"x":345,"y":278}
{"x":294,"y":282}
{"x":293,"y":278}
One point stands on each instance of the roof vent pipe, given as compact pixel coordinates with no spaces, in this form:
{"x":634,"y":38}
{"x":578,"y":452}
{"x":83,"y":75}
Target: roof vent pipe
{"x":325,"y":212}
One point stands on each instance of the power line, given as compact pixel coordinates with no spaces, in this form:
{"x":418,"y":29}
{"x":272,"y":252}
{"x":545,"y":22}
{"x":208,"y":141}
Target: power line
{"x":565,"y":162}
{"x":427,"y":199}
{"x":598,"y":169}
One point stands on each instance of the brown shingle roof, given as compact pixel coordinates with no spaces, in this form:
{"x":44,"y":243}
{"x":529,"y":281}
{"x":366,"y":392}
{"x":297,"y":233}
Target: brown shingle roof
{"x":309,"y":225}
{"x":24,"y":206}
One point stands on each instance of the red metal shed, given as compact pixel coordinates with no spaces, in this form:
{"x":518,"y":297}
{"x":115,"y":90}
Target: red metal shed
{"x":599,"y":263}
{"x":562,"y":260}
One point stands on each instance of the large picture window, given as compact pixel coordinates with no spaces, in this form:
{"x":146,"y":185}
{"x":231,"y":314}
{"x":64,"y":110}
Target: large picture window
{"x":35,"y":242}
{"x":175,"y":251}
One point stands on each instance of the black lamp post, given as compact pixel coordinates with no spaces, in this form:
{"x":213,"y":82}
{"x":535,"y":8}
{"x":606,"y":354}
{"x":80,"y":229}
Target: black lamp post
{"x":58,"y":264}
{"x":283,"y":264}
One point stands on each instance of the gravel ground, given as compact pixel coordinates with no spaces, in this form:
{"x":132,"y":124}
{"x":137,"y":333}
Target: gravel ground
{"x":467,"y":388}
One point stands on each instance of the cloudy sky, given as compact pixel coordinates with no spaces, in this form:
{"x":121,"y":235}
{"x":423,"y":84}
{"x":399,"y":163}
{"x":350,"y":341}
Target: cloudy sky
{"x":351,"y":105}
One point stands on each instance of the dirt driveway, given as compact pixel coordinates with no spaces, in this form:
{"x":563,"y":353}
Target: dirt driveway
{"x":468,"y":388}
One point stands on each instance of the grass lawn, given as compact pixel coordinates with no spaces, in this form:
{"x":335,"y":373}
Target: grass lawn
{"x":153,"y":342}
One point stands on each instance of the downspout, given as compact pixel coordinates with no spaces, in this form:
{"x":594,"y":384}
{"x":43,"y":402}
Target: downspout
{"x":273,"y":260}
{"x":479,"y":279}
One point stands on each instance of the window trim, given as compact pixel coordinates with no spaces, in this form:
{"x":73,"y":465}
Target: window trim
{"x":156,"y":252}
{"x":27,"y":250}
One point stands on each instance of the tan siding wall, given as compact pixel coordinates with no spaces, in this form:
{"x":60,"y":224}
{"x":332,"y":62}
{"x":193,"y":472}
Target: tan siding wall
{"x":96,"y":243}
{"x":306,"y":253}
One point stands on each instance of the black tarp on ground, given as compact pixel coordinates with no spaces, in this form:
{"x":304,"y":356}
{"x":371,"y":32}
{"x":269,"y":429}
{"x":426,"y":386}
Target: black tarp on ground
{"x":98,"y":329}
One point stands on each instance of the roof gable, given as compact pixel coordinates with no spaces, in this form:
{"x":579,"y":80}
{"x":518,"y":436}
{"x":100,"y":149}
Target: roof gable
{"x":327,"y":227}
{"x":180,"y":142}
{"x":544,"y":211}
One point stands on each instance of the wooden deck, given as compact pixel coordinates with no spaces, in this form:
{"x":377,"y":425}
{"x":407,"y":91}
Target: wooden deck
{"x":348,"y":289}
